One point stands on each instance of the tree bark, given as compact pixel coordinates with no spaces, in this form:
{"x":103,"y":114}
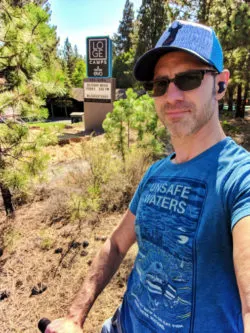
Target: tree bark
{"x":244,"y":101}
{"x":239,"y":112}
{"x":221,"y":106}
{"x":230,"y":99}
{"x":7,"y":200}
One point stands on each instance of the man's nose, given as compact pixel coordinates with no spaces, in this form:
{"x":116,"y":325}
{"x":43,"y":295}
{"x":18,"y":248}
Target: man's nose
{"x":173,"y":94}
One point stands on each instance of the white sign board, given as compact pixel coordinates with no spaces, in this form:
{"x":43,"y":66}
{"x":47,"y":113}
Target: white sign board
{"x":97,"y":90}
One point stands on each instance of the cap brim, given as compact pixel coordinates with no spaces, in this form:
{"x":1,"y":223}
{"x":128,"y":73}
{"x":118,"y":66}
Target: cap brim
{"x":144,"y":67}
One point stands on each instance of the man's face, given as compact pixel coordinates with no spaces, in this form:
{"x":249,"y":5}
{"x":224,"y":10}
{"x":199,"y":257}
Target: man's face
{"x":185,"y":112}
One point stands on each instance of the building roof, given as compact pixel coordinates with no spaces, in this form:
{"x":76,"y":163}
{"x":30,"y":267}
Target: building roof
{"x":77,"y":94}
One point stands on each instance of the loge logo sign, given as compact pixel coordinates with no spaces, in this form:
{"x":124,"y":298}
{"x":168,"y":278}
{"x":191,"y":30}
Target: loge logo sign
{"x":98,"y":57}
{"x":98,"y":50}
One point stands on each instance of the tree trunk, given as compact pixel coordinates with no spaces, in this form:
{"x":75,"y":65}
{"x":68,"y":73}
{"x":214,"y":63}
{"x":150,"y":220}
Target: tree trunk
{"x":230,"y":99}
{"x":244,"y":101}
{"x":221,"y":107}
{"x":204,"y":11}
{"x":7,"y":200}
{"x":52,"y":110}
{"x":239,"y":112}
{"x":128,"y":135}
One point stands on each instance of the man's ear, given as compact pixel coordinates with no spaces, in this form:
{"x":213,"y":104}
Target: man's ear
{"x":221,"y":83}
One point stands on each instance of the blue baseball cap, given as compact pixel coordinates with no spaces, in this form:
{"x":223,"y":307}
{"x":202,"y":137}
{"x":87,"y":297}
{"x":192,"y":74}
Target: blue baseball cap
{"x":194,"y":38}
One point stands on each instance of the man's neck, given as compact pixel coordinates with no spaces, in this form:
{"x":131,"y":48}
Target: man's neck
{"x":191,"y":146}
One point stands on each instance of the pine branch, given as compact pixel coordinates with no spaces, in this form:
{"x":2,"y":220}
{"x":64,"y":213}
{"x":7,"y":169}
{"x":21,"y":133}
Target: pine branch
{"x":12,"y":102}
{"x":9,"y":56}
{"x":7,"y":12}
{"x":37,"y":24}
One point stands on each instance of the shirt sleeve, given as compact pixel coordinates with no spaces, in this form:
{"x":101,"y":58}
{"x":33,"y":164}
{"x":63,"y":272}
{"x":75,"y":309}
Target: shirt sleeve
{"x":240,"y":194}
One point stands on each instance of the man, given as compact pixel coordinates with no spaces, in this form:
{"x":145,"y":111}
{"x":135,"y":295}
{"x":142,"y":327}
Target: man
{"x":191,"y":212}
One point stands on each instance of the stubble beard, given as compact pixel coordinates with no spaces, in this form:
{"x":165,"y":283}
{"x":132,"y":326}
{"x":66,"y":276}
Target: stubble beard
{"x":190,"y":123}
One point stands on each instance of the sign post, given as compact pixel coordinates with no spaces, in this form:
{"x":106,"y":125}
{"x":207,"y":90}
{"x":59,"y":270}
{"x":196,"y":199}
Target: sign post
{"x":99,"y":87}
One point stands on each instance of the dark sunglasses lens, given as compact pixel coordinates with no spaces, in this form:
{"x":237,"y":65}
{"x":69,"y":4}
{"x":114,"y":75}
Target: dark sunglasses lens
{"x":159,"y":88}
{"x":185,"y":81}
{"x":148,"y":86}
{"x":188,"y":81}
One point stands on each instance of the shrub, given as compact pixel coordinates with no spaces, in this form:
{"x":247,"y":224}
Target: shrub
{"x":229,"y":128}
{"x":106,"y":185}
{"x":134,"y":117}
{"x":11,"y":238}
{"x":46,"y":239}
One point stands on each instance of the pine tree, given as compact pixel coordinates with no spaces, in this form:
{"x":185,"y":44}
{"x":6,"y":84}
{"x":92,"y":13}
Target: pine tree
{"x":194,"y":10}
{"x":122,"y":40}
{"x":32,"y":72}
{"x":230,"y":19}
{"x":79,"y":73}
{"x":123,"y":69}
{"x":22,"y":3}
{"x":73,"y":64}
{"x":153,"y":20}
{"x":69,"y":58}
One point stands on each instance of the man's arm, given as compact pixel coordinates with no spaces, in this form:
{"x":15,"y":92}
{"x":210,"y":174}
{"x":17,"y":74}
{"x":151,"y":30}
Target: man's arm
{"x":100,"y":273}
{"x":241,"y":256}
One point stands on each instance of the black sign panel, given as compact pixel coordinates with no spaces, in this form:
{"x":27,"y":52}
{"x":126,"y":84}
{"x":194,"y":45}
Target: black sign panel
{"x":98,"y":57}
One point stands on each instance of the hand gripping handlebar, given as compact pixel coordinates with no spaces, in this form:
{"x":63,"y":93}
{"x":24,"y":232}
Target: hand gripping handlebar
{"x":43,"y":323}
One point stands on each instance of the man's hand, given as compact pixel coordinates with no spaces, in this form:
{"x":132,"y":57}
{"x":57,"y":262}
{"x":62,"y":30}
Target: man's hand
{"x":63,"y":325}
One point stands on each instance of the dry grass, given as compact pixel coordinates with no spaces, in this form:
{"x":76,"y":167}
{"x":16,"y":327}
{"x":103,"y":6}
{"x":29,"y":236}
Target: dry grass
{"x":44,"y":225}
{"x":27,"y":262}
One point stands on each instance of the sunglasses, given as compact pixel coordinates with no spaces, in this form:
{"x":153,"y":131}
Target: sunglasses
{"x":184,"y":81}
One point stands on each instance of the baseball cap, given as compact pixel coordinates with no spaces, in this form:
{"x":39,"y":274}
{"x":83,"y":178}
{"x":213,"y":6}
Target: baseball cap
{"x":194,"y":38}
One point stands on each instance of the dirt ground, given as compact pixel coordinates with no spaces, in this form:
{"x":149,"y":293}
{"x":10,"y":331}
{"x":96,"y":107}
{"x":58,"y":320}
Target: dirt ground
{"x":239,"y":130}
{"x":28,"y":264}
{"x":44,"y":263}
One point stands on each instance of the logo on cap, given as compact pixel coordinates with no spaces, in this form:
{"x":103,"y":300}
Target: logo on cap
{"x":172,"y":34}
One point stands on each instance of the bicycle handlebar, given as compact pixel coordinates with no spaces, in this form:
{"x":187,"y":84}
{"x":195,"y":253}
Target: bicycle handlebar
{"x":43,"y":323}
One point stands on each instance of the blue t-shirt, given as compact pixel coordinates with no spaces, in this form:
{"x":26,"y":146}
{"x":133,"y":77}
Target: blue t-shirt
{"x":183,"y":278}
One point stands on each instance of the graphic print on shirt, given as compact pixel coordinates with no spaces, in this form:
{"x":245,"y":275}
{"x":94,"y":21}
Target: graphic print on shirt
{"x":167,"y":218}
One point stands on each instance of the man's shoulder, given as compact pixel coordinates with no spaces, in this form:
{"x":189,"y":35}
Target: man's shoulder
{"x":237,"y":154}
{"x":156,"y":168}
{"x":159,"y":163}
{"x":235,"y":163}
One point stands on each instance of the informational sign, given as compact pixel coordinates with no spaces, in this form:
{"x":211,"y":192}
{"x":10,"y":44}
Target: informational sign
{"x":99,"y":96}
{"x":99,"y":57}
{"x":97,"y":91}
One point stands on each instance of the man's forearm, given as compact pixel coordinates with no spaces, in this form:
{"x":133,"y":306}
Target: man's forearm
{"x":101,"y":271}
{"x":246,"y":321}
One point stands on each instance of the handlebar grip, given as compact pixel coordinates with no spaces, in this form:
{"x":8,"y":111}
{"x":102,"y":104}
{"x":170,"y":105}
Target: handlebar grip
{"x":43,"y":323}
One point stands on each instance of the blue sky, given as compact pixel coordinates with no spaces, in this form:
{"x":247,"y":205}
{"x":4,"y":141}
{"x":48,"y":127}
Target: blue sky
{"x":78,"y":19}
